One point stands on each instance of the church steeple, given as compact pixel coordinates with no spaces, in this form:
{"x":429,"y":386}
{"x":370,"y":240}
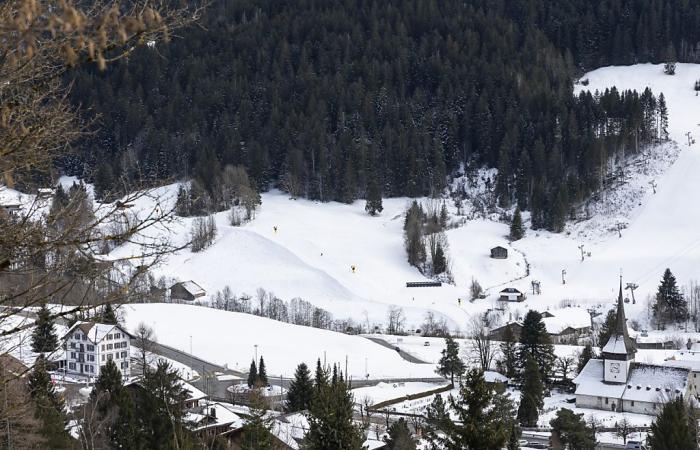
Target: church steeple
{"x":620,"y":343}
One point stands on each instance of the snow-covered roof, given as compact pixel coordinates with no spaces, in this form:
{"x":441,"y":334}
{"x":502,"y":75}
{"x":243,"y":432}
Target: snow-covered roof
{"x":373,"y":444}
{"x":684,"y":358}
{"x":616,"y":344}
{"x":494,"y":377}
{"x":646,"y":382}
{"x":192,"y":392}
{"x":564,"y":318}
{"x":223,"y":415}
{"x":510,"y":290}
{"x":651,"y":383}
{"x":94,"y":331}
{"x":590,"y":381}
{"x":290,"y":428}
{"x":193,"y":288}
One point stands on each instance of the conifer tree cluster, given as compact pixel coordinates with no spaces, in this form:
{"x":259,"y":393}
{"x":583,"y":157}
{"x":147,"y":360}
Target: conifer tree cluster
{"x":330,"y":417}
{"x":397,"y":112}
{"x":257,"y":374}
{"x":424,"y":237}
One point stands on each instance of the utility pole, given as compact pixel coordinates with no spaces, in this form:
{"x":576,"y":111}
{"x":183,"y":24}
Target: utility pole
{"x":580,"y":247}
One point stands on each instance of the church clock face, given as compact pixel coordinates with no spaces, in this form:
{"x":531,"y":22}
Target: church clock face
{"x":615,"y":367}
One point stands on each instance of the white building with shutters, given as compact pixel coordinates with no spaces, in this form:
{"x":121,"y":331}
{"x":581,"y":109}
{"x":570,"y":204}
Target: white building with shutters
{"x":90,"y":345}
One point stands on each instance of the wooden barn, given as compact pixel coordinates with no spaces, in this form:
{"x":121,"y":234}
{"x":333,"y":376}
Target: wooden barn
{"x":187,"y":291}
{"x":499,"y":252}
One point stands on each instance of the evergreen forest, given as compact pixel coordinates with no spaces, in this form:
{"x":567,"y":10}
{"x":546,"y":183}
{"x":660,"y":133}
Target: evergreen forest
{"x":326,"y":99}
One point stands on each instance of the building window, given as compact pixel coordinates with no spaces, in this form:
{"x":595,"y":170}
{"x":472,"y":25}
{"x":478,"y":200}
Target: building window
{"x":72,"y":355}
{"x":124,"y":344}
{"x":103,"y":357}
{"x":117,"y":335}
{"x":72,"y":345}
{"x":90,"y":348}
{"x":77,"y":336}
{"x":103,"y":347}
{"x":109,"y":346}
{"x":109,"y":356}
{"x":606,"y":400}
{"x":632,"y":403}
{"x":71,"y":366}
{"x":85,"y":337}
{"x":91,"y":357}
{"x":123,"y":354}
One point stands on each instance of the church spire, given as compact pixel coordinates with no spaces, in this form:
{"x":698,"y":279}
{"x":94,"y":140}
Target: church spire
{"x":620,"y":342}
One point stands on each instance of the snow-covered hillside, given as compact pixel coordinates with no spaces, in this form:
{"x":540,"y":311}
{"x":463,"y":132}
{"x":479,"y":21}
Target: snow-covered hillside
{"x":315,"y":244}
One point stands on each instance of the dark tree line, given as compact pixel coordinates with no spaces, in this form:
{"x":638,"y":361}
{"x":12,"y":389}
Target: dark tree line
{"x":344,"y":100}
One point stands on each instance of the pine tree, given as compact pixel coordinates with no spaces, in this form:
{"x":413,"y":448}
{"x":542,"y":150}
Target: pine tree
{"x":585,"y":356}
{"x":670,"y":303}
{"x":300,"y":390}
{"x":108,"y":315}
{"x":262,"y":373}
{"x":373,"y":204}
{"x":321,"y":376}
{"x":516,"y":226}
{"x":258,"y":425}
{"x":439,"y":261}
{"x":535,"y":342}
{"x":514,"y":438}
{"x":444,"y":216}
{"x":437,"y":419}
{"x":116,"y":409}
{"x":331,"y":424}
{"x":252,"y":375}
{"x":607,"y":328}
{"x":399,"y":437}
{"x":531,"y":394}
{"x":674,"y":427}
{"x":450,"y":364}
{"x":480,"y":417}
{"x":49,"y":406}
{"x":509,"y":352}
{"x":44,"y":338}
{"x":572,"y":432}
{"x":663,"y":118}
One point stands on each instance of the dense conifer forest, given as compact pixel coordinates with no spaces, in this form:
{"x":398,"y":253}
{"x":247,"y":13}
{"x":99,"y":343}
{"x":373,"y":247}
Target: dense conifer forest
{"x":325,"y":98}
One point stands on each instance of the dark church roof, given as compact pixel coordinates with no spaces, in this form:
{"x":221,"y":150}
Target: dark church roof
{"x":620,"y":345}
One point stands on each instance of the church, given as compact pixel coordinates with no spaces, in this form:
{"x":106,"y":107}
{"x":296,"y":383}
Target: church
{"x":617,"y":383}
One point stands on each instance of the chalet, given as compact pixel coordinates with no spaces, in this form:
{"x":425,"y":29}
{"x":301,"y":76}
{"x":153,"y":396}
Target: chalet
{"x":11,"y":209}
{"x":688,"y":359}
{"x":511,"y":295}
{"x":187,"y":291}
{"x":89,"y":345}
{"x":499,"y":252}
{"x":214,"y":419}
{"x":497,"y":334}
{"x":617,"y":383}
{"x":567,"y":325}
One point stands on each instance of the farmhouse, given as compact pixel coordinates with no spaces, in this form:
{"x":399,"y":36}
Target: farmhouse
{"x":497,"y":334}
{"x":89,"y":345}
{"x":499,"y":252}
{"x":187,"y":291}
{"x":688,"y":359}
{"x":511,"y":295}
{"x":617,"y":383}
{"x":11,"y":209}
{"x":567,"y":325}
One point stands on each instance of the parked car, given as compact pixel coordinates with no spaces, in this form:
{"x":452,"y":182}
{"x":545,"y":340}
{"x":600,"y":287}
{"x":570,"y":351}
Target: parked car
{"x":635,"y":445}
{"x":426,"y":344}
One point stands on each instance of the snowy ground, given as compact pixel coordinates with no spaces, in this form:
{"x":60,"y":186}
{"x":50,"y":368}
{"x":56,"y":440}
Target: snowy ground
{"x":230,"y":339}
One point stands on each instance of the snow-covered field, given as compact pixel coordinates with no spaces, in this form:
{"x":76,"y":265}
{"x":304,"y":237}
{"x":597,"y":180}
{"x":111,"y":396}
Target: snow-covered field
{"x":229,"y":338}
